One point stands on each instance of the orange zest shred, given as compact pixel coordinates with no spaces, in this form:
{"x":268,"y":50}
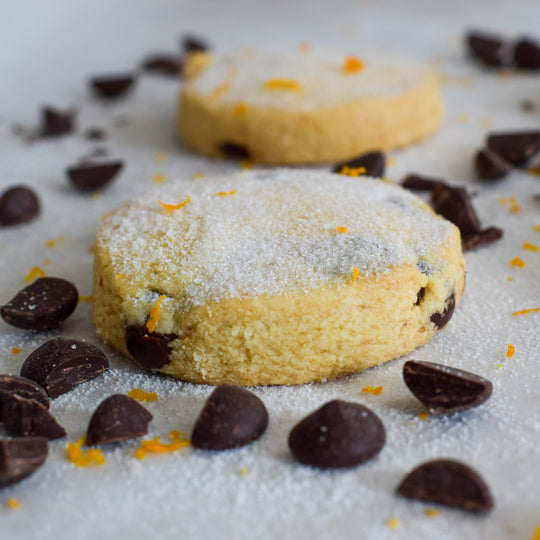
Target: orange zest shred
{"x":352,"y":171}
{"x":535,"y":171}
{"x":159,"y":178}
{"x":529,"y":246}
{"x":243,"y":471}
{"x":155,"y":446}
{"x":46,"y":262}
{"x":12,"y":504}
{"x":510,"y":279}
{"x":342,"y":229}
{"x":526,"y":312}
{"x":290,"y":85}
{"x":219,"y":90}
{"x":54,"y":241}
{"x":512,"y":201}
{"x":36,"y":272}
{"x":141,"y":395}
{"x":498,"y":366}
{"x":432,"y":512}
{"x":355,"y":274}
{"x":154,"y":315}
{"x":536,"y":533}
{"x":518,"y":262}
{"x":376,"y":390}
{"x":241,"y":108}
{"x":510,"y":351}
{"x":16,"y":350}
{"x":119,"y":276}
{"x":171,"y":207}
{"x":92,"y":248}
{"x":160,"y":157}
{"x":84,"y":458}
{"x":394,"y":523}
{"x":225,"y":193}
{"x":423,"y":416}
{"x":352,"y":64}
{"x":197,"y":175}
{"x":85,"y":298}
{"x":304,"y":47}
{"x":536,"y":228}
{"x":246,"y":164}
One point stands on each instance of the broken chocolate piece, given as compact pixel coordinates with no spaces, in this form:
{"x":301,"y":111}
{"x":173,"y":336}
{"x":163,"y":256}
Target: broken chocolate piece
{"x":420,"y":296}
{"x":515,"y":147}
{"x":415,"y":182}
{"x":163,"y":64}
{"x":55,"y":123}
{"x":453,"y":204}
{"x":11,"y":385}
{"x":21,"y":457}
{"x":42,"y":305}
{"x":373,"y":163}
{"x":18,"y":204}
{"x":61,"y":364}
{"x":24,"y":417}
{"x":150,"y":350}
{"x":235,"y":151}
{"x":527,"y":54}
{"x":444,"y":389}
{"x":440,"y":319}
{"x":231,"y":417}
{"x":339,"y":434}
{"x":94,"y":176}
{"x":476,"y":240}
{"x":490,"y":50}
{"x":447,"y":482}
{"x":490,"y":166}
{"x":194,"y":44}
{"x":117,"y":418}
{"x":95,"y":134}
{"x":112,"y":86}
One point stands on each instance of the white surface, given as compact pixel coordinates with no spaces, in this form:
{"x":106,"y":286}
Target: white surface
{"x":49,"y":48}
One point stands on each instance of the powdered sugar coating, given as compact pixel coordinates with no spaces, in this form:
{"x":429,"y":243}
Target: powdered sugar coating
{"x":269,"y":232}
{"x":320,"y":74}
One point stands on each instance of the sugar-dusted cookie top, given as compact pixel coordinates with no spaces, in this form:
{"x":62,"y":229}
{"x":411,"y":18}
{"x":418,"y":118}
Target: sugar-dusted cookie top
{"x":267,"y":232}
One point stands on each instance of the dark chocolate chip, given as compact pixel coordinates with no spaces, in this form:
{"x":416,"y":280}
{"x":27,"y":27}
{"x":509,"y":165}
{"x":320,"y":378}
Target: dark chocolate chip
{"x":444,"y":389}
{"x":490,"y":166}
{"x":415,"y":182}
{"x":163,"y":64}
{"x":18,"y":204}
{"x":339,"y":434}
{"x":55,"y":123}
{"x":489,"y":50}
{"x":26,"y":417}
{"x":61,"y":364}
{"x":515,"y":147}
{"x":527,"y":105}
{"x":373,"y":162}
{"x":94,"y":176}
{"x":42,"y":305}
{"x":453,"y":204}
{"x":11,"y":385}
{"x":447,"y":482}
{"x":235,"y":151}
{"x":194,"y":44}
{"x":527,"y":54}
{"x":231,"y":417}
{"x":113,"y":86}
{"x":21,"y":457}
{"x":476,"y":240}
{"x":117,"y":418}
{"x":440,"y":319}
{"x":420,"y":296}
{"x":95,"y":134}
{"x":150,"y":350}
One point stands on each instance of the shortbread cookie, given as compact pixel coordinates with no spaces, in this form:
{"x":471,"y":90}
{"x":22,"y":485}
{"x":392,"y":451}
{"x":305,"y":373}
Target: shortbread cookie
{"x":274,"y":277}
{"x":305,"y":107}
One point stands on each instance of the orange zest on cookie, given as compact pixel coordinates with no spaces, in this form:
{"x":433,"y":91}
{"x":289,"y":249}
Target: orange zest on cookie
{"x":155,"y":446}
{"x":526,"y":312}
{"x":352,"y":64}
{"x":355,"y":274}
{"x":342,"y":229}
{"x":154,"y":315}
{"x":84,"y":458}
{"x":218,"y":91}
{"x":290,"y":85}
{"x":171,"y":207}
{"x":141,"y":395}
{"x":517,"y":262}
{"x":225,"y":193}
{"x":376,"y":390}
{"x":36,"y":272}
{"x":352,"y":171}
{"x":241,"y":108}
{"x":510,"y":351}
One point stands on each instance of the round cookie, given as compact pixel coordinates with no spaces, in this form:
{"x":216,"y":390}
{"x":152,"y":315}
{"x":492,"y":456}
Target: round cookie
{"x":273,"y":277}
{"x":308,"y":107}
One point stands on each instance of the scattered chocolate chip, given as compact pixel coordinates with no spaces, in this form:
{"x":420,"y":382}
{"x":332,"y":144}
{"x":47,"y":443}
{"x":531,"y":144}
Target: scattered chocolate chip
{"x":55,"y":123}
{"x":339,"y":434}
{"x":453,"y":204}
{"x":476,"y":240}
{"x":117,"y":418}
{"x":527,"y":105}
{"x":420,"y":296}
{"x":113,"y":86}
{"x":527,"y":54}
{"x":231,"y":417}
{"x":444,"y":389}
{"x":415,"y":182}
{"x":489,"y":166}
{"x":373,"y":163}
{"x":235,"y":151}
{"x":61,"y":364}
{"x":489,"y":50}
{"x":18,"y":204}
{"x":11,"y":385}
{"x":95,"y":134}
{"x":150,"y":350}
{"x":94,"y":176}
{"x":21,"y":457}
{"x":42,"y":305}
{"x":440,"y":319}
{"x":163,"y":64}
{"x":515,"y":147}
{"x":194,"y":44}
{"x":26,"y":417}
{"x":447,"y":482}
